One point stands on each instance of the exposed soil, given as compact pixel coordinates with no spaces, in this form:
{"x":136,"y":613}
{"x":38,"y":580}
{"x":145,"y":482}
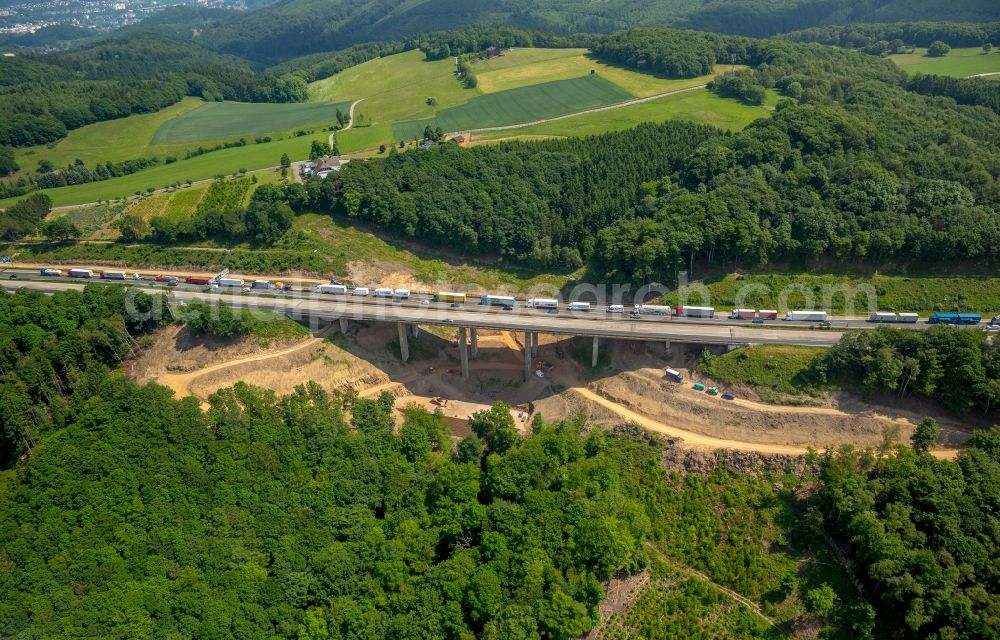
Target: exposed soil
{"x":633,"y":391}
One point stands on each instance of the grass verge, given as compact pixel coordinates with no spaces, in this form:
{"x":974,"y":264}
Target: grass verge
{"x":774,"y":371}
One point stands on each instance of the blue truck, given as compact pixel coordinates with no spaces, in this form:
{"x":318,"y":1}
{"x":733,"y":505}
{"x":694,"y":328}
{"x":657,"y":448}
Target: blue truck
{"x":955,"y":318}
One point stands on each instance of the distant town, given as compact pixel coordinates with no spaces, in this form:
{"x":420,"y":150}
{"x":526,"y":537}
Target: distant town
{"x":28,"y":17}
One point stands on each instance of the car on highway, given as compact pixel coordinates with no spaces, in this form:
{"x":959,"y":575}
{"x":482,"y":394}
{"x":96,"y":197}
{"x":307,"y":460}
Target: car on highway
{"x":553,"y":311}
{"x":174,"y":283}
{"x":13,"y":276}
{"x":507,"y":307}
{"x":635,"y":314}
{"x":757,"y":321}
{"x":425,"y":303}
{"x":455,"y":305}
{"x":448,"y":320}
{"x":245,"y":290}
{"x":616,"y":308}
{"x":992,"y":327}
{"x":825,"y":324}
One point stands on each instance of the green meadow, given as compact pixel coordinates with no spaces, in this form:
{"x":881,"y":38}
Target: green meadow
{"x":959,"y":63}
{"x":227,"y":120}
{"x":524,"y":104}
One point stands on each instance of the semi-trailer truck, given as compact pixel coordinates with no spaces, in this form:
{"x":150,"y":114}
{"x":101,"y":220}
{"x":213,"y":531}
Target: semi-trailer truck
{"x":542,"y":303}
{"x":203,"y":280}
{"x":113,"y":275}
{"x":361,"y":292}
{"x":383,"y":292}
{"x":955,"y":318}
{"x":401,"y":294}
{"x":498,"y":301}
{"x":695,"y":312}
{"x":449,"y":296}
{"x":768,"y":314}
{"x":579,"y":306}
{"x":50,"y":272}
{"x":882,"y":316}
{"x":654,"y":309}
{"x":742,"y":314}
{"x":81,"y":273}
{"x":230,"y":282}
{"x":262,"y":284}
{"x":338,"y":289}
{"x":806,"y":316}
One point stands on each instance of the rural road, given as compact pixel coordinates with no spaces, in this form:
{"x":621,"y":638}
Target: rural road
{"x":627,"y":103}
{"x":350,"y":120}
{"x":986,"y":75}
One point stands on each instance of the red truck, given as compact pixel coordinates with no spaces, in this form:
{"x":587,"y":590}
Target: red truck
{"x":197,"y":279}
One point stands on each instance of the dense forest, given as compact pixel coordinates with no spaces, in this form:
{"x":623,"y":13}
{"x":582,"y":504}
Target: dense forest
{"x":909,"y":34}
{"x":958,"y":368}
{"x":295,"y":28}
{"x":42,"y":98}
{"x":135,"y":514}
{"x":922,"y":534}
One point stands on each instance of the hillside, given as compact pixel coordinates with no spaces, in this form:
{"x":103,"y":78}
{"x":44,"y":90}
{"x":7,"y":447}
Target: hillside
{"x":296,"y":27}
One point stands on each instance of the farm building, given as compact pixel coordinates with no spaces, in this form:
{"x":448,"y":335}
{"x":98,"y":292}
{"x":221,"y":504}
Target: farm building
{"x":459,"y":139}
{"x":322,"y":167}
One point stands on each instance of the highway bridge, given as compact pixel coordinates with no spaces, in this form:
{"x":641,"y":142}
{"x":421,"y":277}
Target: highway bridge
{"x":470,"y":317}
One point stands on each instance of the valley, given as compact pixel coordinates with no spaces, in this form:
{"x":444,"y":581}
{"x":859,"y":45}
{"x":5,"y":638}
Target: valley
{"x":271,"y":277}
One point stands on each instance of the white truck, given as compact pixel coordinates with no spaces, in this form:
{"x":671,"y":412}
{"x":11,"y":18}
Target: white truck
{"x":579,"y":306}
{"x":542,"y":303}
{"x":230,"y":282}
{"x":742,"y":314}
{"x":616,"y":308}
{"x":908,"y":318}
{"x":401,"y":294}
{"x":262,"y":284}
{"x":806,"y":316}
{"x":337,"y":289}
{"x":361,"y":292}
{"x":383,"y":292}
{"x":113,"y":275}
{"x":81,"y":273}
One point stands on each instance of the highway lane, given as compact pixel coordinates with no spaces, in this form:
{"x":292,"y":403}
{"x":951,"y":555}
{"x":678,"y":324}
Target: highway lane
{"x":597,"y":311}
{"x":594,"y":323}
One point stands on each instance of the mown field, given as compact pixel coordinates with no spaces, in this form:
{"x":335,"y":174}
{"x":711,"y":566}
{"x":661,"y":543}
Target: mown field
{"x":524,"y":67}
{"x":231,"y":120}
{"x":837,"y":293}
{"x":112,"y":140}
{"x":959,"y":63}
{"x":524,"y":104}
{"x":395,"y":88}
{"x":698,"y":105}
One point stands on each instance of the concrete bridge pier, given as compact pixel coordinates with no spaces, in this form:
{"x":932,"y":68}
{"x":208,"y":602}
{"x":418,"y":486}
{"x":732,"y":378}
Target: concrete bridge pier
{"x":404,"y":344}
{"x":463,"y":352}
{"x":527,"y":356}
{"x":474,"y":333}
{"x":416,"y":329}
{"x":534,"y":343}
{"x":593,"y":358}
{"x":343,"y":325}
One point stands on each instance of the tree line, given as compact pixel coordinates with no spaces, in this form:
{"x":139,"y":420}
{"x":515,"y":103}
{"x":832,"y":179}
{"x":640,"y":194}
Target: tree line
{"x":973,"y":91}
{"x":956,"y":367}
{"x":908,"y":34}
